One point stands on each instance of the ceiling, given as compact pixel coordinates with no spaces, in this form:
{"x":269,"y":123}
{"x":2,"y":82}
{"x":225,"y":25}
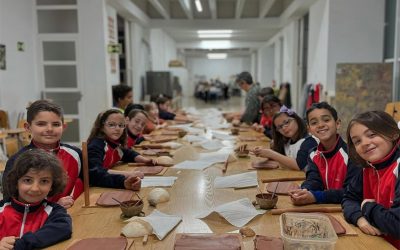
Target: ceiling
{"x":253,"y":22}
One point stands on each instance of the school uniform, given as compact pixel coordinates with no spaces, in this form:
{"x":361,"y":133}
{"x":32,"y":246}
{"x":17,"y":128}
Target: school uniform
{"x":133,"y":139}
{"x":300,"y":149}
{"x":328,"y":172}
{"x":71,"y":159}
{"x":103,"y":154}
{"x":379,"y":181}
{"x":165,"y":115}
{"x":37,"y":225}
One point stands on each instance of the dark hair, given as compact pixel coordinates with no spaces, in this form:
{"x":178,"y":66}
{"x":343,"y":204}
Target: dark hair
{"x":322,"y":105}
{"x":120,"y":91}
{"x":134,"y":112}
{"x":42,"y":106}
{"x":161,"y":100}
{"x":268,"y":99}
{"x":279,"y":139}
{"x":379,"y":122}
{"x":38,"y":160}
{"x":266,"y":91}
{"x":244,"y":76}
{"x":98,"y":125}
{"x":132,"y":106}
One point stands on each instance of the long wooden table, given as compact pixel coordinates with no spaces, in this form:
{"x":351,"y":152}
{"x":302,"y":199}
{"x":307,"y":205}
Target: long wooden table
{"x":192,"y":194}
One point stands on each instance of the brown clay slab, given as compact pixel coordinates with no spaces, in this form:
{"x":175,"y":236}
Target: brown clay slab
{"x":262,"y":242}
{"x":116,"y":243}
{"x":207,"y":241}
{"x":106,"y":198}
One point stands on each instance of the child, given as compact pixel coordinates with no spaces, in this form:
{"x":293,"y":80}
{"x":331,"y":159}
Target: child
{"x":45,"y":123}
{"x":291,"y":141}
{"x":135,"y":122}
{"x":372,"y":199}
{"x":164,"y":108}
{"x":270,"y":105}
{"x":153,"y":122}
{"x":328,"y":169}
{"x":122,"y":96}
{"x":27,"y":219}
{"x":106,"y":146}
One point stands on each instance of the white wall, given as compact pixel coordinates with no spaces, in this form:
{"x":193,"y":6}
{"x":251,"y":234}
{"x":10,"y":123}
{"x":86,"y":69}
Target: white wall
{"x":18,"y":83}
{"x":163,"y":49}
{"x":318,"y":43}
{"x":343,"y":31}
{"x":265,"y":63}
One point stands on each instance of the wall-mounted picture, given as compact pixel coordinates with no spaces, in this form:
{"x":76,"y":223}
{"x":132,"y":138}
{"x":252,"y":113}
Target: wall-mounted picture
{"x":2,"y":56}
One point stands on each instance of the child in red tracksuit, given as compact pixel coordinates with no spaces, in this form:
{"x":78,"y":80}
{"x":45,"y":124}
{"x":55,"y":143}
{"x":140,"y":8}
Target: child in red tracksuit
{"x":45,"y":123}
{"x":372,"y":200}
{"x":106,"y":147}
{"x":328,"y":170}
{"x":27,"y":219}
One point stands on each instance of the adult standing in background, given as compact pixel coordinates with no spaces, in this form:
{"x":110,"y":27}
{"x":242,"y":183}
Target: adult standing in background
{"x":252,"y":103}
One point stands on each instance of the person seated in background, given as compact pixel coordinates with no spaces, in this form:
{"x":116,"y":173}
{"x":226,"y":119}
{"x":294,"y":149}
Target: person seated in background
{"x":163,"y":106}
{"x":252,"y":103}
{"x":122,"y":96}
{"x":270,"y":105}
{"x":329,"y":169}
{"x":135,"y":123}
{"x":153,"y":121}
{"x":291,"y":141}
{"x":106,"y":147}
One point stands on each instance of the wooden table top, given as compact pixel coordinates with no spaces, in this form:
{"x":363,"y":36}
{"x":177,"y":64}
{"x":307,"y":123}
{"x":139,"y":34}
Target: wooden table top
{"x":192,"y":194}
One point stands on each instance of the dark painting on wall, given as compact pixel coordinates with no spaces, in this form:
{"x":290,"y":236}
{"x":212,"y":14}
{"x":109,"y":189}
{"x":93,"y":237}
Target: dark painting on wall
{"x":2,"y":56}
{"x":361,"y":87}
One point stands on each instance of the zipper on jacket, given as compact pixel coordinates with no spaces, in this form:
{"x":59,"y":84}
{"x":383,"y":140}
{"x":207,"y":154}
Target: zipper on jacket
{"x":26,"y":210}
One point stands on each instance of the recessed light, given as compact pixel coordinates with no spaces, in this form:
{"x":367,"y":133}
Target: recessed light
{"x":217,"y":56}
{"x":214,"y":32}
{"x":215,"y":35}
{"x":198,"y":5}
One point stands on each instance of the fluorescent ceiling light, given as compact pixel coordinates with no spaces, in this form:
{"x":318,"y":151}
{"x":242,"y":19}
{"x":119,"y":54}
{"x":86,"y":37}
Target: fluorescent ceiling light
{"x":215,"y":44}
{"x":215,"y":35}
{"x":214,"y":32}
{"x":216,"y":55}
{"x":198,"y":5}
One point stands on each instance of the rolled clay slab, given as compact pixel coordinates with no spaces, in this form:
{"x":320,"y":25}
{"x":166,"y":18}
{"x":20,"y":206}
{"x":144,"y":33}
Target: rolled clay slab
{"x":106,"y":198}
{"x":283,"y":187}
{"x":262,"y":242}
{"x":207,"y":241}
{"x":117,"y":243}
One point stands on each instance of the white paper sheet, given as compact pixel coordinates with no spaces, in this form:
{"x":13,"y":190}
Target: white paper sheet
{"x":162,"y":223}
{"x":173,"y":145}
{"x":215,"y":157}
{"x":248,"y":179}
{"x":194,"y":138}
{"x":159,"y":181}
{"x":238,"y":213}
{"x":197,"y":165}
{"x":223,"y":136}
{"x":211,"y":144}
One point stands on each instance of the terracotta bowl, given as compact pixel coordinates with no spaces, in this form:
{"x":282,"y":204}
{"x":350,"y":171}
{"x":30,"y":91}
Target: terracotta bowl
{"x":265,"y":202}
{"x":132,"y":208}
{"x":235,"y":131}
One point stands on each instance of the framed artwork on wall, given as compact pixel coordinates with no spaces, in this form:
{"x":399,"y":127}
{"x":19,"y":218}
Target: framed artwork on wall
{"x":2,"y":56}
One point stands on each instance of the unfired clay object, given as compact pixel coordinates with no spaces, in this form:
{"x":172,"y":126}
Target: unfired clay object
{"x":158,"y":195}
{"x":137,"y":228}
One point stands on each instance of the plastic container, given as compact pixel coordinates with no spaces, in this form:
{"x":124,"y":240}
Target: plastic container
{"x":309,"y":231}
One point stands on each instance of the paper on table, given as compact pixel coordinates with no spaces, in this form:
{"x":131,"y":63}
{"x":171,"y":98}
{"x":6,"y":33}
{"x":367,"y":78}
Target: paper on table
{"x":211,"y":144}
{"x":248,"y":179}
{"x":238,"y":213}
{"x":214,"y":157}
{"x":194,"y":138}
{"x":220,"y":126}
{"x":159,"y":181}
{"x":173,"y":145}
{"x":197,"y":165}
{"x":162,"y":223}
{"x":222,"y":136}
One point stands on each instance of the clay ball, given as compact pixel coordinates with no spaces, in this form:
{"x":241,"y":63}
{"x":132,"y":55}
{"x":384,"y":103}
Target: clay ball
{"x":158,"y":195}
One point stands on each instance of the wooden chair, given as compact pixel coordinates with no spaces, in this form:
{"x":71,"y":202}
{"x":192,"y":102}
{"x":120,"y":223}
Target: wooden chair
{"x":393,"y":109}
{"x":4,"y":122}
